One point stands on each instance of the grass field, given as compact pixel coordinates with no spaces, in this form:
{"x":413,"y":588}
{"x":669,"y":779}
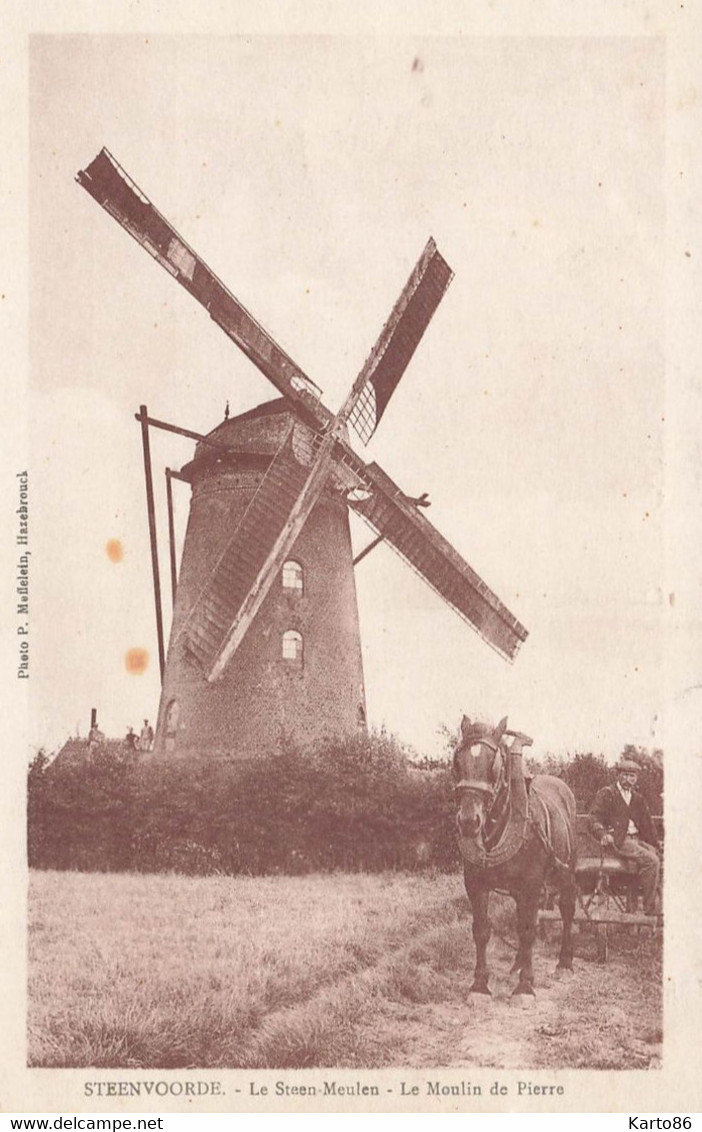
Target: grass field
{"x":325,"y":970}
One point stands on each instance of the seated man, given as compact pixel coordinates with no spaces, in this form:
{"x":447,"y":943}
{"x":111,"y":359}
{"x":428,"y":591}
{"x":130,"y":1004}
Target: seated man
{"x":620,"y":819}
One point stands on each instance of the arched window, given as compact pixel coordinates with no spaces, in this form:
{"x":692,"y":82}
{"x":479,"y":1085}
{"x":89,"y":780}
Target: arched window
{"x":172,"y":717}
{"x":292,"y":576}
{"x":171,"y":728}
{"x":292,"y":646}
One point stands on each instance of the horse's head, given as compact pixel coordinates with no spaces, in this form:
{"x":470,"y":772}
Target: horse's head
{"x":478,"y":770}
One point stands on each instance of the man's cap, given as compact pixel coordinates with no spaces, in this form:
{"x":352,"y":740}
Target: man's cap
{"x":627,"y":764}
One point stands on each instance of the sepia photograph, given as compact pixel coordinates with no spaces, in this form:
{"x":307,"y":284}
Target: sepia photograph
{"x":343,"y":587}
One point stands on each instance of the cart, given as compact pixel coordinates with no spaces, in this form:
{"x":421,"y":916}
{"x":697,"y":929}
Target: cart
{"x":608,"y":898}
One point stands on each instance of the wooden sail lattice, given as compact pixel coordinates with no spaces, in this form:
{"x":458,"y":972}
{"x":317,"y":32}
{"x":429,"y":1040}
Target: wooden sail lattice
{"x":210,"y":620}
{"x":389,"y":513}
{"x":399,"y":339}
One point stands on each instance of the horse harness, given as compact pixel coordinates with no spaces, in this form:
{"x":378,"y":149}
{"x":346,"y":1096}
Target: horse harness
{"x":515,"y":818}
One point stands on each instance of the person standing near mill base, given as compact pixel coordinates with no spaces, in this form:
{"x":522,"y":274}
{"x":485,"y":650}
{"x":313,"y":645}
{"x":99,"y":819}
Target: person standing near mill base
{"x":621,"y":820}
{"x":146,"y":737}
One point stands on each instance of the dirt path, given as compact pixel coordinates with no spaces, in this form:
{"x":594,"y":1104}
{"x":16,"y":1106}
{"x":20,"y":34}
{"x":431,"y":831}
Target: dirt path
{"x":601,"y":1016}
{"x":499,"y":1030}
{"x":414,"y":1008}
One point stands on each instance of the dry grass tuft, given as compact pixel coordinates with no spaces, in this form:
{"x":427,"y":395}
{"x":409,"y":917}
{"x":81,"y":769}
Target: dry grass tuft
{"x":168,"y":971}
{"x":329,"y":970}
{"x":609,"y":1017}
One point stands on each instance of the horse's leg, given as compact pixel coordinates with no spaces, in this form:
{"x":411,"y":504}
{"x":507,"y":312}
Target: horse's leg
{"x":566,"y":903}
{"x":527,"y":911}
{"x":480,"y":904}
{"x":519,"y":957}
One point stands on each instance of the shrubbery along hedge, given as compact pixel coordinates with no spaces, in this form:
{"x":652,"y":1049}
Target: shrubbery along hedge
{"x":351,"y":805}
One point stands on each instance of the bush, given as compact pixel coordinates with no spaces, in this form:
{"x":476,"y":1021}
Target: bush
{"x":587,"y":773}
{"x":356,"y":804}
{"x":359,"y":804}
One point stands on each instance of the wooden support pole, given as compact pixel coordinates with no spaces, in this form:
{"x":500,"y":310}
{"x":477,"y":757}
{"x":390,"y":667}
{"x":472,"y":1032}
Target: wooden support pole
{"x":367,"y":549}
{"x":421,"y":501}
{"x":171,"y":534}
{"x":209,"y":441}
{"x":143,"y":417}
{"x":180,"y":431}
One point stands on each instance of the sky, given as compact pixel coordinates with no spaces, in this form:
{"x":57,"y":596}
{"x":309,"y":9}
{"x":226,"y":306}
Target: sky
{"x":309,"y":173}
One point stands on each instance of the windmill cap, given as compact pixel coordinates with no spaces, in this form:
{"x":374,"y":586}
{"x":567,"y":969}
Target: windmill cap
{"x":628,"y":765}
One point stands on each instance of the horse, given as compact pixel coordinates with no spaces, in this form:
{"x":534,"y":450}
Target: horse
{"x":512,"y":837}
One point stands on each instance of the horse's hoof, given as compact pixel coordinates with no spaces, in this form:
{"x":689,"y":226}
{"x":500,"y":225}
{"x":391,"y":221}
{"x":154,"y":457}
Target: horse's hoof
{"x":479,"y":1000}
{"x":524,"y":990}
{"x":480,"y":994}
{"x":564,"y":972}
{"x":525,"y":999}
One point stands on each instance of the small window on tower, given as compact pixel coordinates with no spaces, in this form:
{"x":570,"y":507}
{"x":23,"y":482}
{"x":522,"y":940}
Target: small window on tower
{"x":172,"y":718}
{"x":292,"y":646}
{"x":292,"y":576}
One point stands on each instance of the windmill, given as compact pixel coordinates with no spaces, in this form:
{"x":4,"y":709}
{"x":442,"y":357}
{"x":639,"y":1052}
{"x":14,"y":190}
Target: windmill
{"x":264,"y":639}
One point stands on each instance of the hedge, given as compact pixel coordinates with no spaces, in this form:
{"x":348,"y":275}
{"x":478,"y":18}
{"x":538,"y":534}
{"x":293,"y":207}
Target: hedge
{"x":352,"y":805}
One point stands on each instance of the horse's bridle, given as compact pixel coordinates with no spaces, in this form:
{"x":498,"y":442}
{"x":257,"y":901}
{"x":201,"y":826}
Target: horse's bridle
{"x":503,"y":833}
{"x":475,"y":785}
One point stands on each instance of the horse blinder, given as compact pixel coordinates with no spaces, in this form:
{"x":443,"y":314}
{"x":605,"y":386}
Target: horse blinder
{"x":484,"y":787}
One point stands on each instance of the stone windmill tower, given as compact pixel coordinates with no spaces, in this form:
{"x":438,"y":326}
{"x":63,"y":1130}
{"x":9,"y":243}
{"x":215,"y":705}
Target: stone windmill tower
{"x":264,"y":641}
{"x":298,"y":671}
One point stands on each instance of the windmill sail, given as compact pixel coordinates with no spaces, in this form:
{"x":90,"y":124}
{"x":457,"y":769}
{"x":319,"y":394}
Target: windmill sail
{"x":114,"y":190}
{"x":399,"y":339}
{"x":262,"y":541}
{"x":221,"y":615}
{"x":419,"y":543}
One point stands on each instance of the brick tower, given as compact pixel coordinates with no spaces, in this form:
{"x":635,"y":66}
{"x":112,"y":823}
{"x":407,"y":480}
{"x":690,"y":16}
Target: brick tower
{"x":298,"y":673}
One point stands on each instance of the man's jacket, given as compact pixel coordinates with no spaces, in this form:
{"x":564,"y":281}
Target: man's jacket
{"x":610,"y":814}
